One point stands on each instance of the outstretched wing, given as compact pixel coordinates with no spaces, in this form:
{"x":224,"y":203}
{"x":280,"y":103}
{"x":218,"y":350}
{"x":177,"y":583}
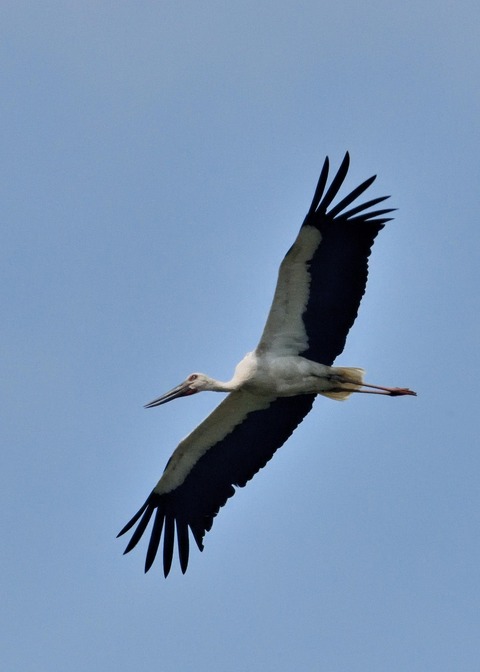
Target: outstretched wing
{"x":225,"y":450}
{"x":323,"y":276}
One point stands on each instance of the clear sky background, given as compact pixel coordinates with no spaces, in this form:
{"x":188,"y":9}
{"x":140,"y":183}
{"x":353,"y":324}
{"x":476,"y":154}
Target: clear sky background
{"x":157,"y":161}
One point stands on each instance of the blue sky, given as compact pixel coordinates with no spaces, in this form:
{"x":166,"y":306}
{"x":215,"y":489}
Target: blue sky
{"x":158,"y":159}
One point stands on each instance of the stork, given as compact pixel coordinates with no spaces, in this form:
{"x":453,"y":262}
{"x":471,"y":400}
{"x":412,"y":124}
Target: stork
{"x":320,"y":285}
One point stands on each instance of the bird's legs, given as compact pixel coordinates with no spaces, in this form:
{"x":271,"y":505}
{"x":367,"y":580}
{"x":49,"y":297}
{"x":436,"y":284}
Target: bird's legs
{"x":390,"y":391}
{"x":345,"y":381}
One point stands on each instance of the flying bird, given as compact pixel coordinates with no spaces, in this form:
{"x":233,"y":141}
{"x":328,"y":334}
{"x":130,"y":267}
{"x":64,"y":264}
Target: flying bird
{"x":320,"y":284}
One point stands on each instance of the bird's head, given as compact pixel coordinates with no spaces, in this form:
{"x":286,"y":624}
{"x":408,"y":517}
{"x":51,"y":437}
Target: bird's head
{"x":196,"y":382}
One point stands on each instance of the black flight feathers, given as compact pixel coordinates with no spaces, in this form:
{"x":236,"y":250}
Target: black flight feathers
{"x":339,"y":266}
{"x":321,"y":202}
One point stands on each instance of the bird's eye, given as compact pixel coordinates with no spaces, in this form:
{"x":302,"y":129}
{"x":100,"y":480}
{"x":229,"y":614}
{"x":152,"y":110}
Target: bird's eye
{"x":193,"y":377}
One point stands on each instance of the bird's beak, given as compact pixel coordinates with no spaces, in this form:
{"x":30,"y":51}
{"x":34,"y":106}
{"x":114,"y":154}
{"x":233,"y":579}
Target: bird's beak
{"x":182,"y":390}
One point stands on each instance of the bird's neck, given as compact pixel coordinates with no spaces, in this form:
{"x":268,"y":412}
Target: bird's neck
{"x":221,"y":386}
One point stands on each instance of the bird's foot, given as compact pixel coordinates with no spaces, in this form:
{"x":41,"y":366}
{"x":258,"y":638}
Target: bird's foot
{"x":400,"y":391}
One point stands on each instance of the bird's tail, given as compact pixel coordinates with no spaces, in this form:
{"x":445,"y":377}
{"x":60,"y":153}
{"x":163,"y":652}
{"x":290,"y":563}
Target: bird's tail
{"x":350,"y":377}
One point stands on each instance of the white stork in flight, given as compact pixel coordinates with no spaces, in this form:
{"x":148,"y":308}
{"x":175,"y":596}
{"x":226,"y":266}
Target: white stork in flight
{"x":320,"y":285}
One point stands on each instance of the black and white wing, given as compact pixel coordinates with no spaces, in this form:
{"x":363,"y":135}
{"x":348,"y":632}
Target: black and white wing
{"x":226,"y":450}
{"x":323,"y":276}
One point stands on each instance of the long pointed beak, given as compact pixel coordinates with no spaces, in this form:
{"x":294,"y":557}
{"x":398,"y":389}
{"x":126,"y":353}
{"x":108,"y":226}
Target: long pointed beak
{"x":182,"y":390}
